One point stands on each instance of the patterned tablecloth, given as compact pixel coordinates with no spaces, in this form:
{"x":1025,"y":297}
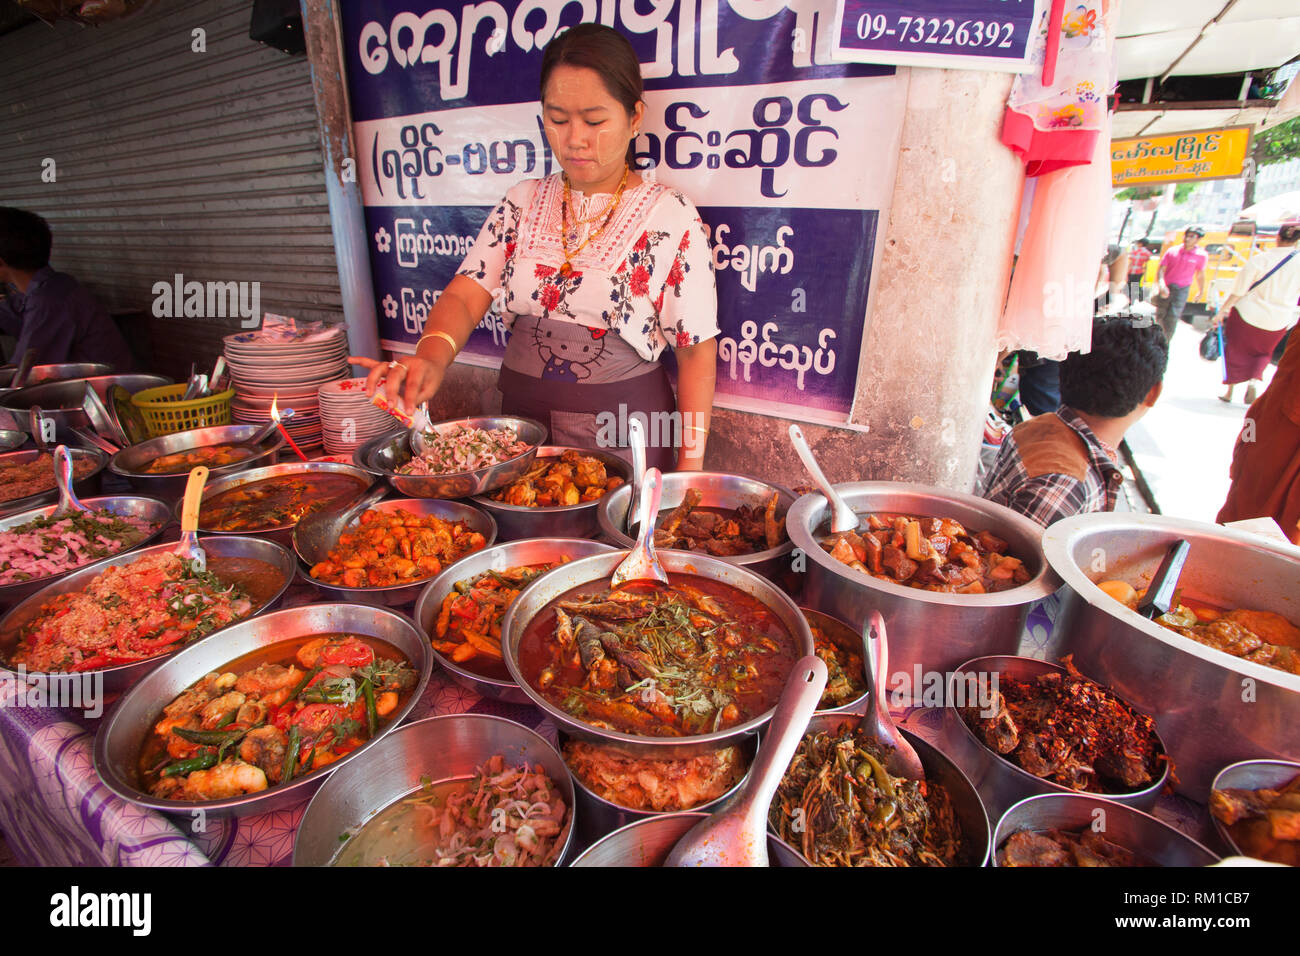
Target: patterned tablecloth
{"x":55,"y":811}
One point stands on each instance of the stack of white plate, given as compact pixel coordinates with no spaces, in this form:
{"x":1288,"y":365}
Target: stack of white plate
{"x":348,"y":418}
{"x":289,"y":371}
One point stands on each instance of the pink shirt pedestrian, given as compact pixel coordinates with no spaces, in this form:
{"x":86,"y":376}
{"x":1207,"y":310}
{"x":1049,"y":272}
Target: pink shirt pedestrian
{"x":1181,"y":266}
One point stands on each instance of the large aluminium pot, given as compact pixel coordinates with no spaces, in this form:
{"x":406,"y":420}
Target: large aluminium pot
{"x":930,"y":630}
{"x":61,"y":401}
{"x":1212,"y":708}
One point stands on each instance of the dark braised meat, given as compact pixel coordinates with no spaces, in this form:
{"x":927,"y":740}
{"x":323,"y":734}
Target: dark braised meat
{"x":1069,"y":730}
{"x":745,"y":530}
{"x":932,"y":554}
{"x":1264,"y":823}
{"x":1064,"y":848}
{"x":839,"y":807}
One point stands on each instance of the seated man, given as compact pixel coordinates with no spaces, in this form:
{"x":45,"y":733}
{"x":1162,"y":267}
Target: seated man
{"x":50,"y":312}
{"x":1064,"y":463}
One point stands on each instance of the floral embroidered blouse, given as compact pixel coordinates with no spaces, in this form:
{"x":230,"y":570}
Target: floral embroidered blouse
{"x":648,"y":275}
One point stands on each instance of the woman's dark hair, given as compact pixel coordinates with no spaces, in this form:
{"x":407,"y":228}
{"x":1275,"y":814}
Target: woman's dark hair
{"x":605,"y":50}
{"x":1127,"y":360}
{"x":24,"y":239}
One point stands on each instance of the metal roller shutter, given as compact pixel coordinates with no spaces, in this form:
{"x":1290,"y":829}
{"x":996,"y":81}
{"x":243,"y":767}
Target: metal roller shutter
{"x":168,"y":161}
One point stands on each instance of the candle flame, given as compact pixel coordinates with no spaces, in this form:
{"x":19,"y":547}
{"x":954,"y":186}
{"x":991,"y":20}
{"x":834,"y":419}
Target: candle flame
{"x":275,"y":411}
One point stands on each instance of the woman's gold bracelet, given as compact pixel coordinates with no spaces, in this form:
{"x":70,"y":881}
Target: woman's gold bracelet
{"x":697,"y":428}
{"x":439,"y":334}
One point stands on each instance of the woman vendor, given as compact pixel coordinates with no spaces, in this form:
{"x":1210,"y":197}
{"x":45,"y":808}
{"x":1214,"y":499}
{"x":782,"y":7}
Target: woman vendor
{"x":596,"y":269}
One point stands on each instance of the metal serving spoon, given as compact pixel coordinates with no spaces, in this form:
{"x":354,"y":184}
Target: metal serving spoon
{"x":737,"y":835}
{"x":642,"y":564}
{"x":37,"y":425}
{"x":318,"y":531}
{"x":188,"y":547}
{"x":68,"y":500}
{"x":903,"y":762}
{"x":420,"y":427}
{"x":1160,"y":592}
{"x":636,"y":442}
{"x":843,"y":518}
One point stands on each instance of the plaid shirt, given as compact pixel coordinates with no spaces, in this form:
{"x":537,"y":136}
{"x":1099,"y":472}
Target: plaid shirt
{"x":1049,"y":496}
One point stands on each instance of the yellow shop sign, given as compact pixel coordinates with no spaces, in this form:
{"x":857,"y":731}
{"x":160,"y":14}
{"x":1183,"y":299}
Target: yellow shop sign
{"x":1179,"y":157}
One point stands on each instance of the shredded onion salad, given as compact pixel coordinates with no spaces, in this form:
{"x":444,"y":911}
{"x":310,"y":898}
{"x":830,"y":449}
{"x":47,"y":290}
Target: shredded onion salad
{"x":52,"y":545}
{"x":465,"y":449}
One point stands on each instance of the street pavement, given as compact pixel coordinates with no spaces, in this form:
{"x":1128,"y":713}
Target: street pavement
{"x":1184,"y":444}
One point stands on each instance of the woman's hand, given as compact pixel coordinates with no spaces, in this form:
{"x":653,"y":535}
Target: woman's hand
{"x":407,"y":381}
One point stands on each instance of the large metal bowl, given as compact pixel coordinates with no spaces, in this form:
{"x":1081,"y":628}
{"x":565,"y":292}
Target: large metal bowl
{"x":61,"y":401}
{"x":648,"y":842}
{"x":939,"y":769}
{"x":123,"y":733}
{"x":1251,"y":775}
{"x":57,"y":372}
{"x":396,"y":595}
{"x":283,"y":533}
{"x":124,"y":675}
{"x":570,"y":521}
{"x":130,"y":462}
{"x":931,"y":630}
{"x":384,"y":454}
{"x":512,"y":554}
{"x":598,"y":816}
{"x":1124,"y":825}
{"x":437,"y":748}
{"x":718,"y":490}
{"x":1001,"y":782}
{"x":1213,"y":708}
{"x":599,"y":568}
{"x":87,"y":485}
{"x":148,"y":509}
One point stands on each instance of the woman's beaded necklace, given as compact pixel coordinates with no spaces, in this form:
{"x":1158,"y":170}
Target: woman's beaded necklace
{"x":567,"y":213}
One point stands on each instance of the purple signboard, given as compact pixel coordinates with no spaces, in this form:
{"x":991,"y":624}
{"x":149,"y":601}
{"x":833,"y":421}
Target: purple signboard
{"x":788,"y":155}
{"x":949,"y":34}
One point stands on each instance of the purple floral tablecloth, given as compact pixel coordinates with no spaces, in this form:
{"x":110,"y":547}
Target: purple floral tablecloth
{"x":54,"y":810}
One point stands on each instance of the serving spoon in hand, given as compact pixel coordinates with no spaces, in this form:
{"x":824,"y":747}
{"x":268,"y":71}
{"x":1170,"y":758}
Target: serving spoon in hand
{"x":737,"y":834}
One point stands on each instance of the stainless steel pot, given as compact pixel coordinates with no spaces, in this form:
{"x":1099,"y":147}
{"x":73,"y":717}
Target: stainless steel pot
{"x":147,"y":509}
{"x":1251,"y":775}
{"x":1000,"y":782}
{"x":130,"y":462}
{"x":89,"y":484}
{"x":384,"y":454}
{"x":437,"y":748}
{"x":58,"y":372}
{"x":931,"y":630}
{"x":280,"y":534}
{"x":648,"y":842}
{"x":1124,"y":825}
{"x":940,"y":769}
{"x":599,"y":568}
{"x":512,"y":554}
{"x":1213,"y":708}
{"x":718,"y":490}
{"x":570,"y":521}
{"x":396,"y":595}
{"x":122,"y":734}
{"x":61,"y":401}
{"x":122,"y":676}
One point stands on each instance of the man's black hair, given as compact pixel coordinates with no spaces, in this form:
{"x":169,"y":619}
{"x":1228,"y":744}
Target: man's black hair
{"x":24,"y":239}
{"x":1127,"y":360}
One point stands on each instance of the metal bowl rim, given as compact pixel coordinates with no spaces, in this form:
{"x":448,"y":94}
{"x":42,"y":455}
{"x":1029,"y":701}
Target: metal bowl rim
{"x":276,"y":438}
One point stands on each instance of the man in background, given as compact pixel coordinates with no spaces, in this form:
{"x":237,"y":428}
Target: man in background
{"x":49,"y":311}
{"x":1179,"y":269}
{"x":1066,"y":463}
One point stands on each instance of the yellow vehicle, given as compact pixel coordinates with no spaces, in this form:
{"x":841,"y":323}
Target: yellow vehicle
{"x":1228,"y":250}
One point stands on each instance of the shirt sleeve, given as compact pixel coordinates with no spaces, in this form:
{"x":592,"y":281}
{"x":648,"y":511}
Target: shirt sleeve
{"x":688,"y":303}
{"x":11,"y":323}
{"x":1048,"y":498}
{"x":486,"y":261}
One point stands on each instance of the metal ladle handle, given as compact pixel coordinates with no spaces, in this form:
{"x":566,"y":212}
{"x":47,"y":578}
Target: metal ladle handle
{"x":636,"y":442}
{"x":36,"y":425}
{"x":68,"y":500}
{"x":843,"y":517}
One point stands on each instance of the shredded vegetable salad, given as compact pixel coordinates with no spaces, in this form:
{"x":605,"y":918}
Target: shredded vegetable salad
{"x":51,"y":545}
{"x":465,"y":449}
